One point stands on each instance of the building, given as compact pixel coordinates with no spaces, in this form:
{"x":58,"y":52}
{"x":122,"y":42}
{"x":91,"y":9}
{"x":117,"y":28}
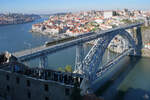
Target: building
{"x":38,"y":27}
{"x":20,"y":82}
{"x":147,"y":46}
{"x":109,"y":14}
{"x":147,"y":21}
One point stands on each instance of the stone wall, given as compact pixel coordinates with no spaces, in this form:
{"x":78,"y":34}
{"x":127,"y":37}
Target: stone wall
{"x":20,"y":87}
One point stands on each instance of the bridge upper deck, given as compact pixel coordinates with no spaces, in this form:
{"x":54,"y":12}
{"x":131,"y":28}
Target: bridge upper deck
{"x":38,"y":51}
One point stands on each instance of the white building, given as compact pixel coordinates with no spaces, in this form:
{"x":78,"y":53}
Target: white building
{"x":99,"y":21}
{"x":52,"y":31}
{"x":147,"y":45}
{"x":38,"y":27}
{"x":109,"y":14}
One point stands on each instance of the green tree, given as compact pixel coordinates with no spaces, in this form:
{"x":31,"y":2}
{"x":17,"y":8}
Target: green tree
{"x":68,"y":68}
{"x":61,"y":69}
{"x":127,"y":21}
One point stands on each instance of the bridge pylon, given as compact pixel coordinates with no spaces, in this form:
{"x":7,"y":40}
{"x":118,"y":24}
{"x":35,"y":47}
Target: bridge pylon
{"x":79,"y":58}
{"x":139,"y":42}
{"x":137,"y":36}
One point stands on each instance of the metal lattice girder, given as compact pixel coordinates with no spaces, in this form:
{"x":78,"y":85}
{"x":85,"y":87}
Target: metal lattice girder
{"x":43,"y":61}
{"x":109,"y":65}
{"x":94,"y":57}
{"x":79,"y":58}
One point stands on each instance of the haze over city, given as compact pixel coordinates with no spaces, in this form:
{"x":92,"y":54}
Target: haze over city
{"x":53,"y":6}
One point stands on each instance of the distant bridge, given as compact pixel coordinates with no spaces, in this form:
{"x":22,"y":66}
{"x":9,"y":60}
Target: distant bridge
{"x":89,"y":65}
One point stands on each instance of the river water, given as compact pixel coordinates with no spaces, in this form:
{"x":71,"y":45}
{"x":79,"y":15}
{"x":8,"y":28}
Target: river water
{"x":131,"y":83}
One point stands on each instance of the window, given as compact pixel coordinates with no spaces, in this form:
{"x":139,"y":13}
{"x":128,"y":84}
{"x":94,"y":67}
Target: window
{"x":8,"y":88}
{"x":46,"y":98}
{"x":17,"y":80}
{"x":67,"y":91}
{"x":29,"y":95}
{"x":46,"y":87}
{"x":28,"y":83}
{"x":7,"y":77}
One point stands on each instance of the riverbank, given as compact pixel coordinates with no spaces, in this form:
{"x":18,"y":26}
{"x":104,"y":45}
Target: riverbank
{"x":54,"y":36}
{"x":16,"y":23}
{"x":16,"y":18}
{"x":144,"y":52}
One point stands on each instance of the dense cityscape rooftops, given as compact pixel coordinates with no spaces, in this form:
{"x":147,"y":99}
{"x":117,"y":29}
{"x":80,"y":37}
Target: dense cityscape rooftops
{"x":15,"y":18}
{"x":82,"y":22}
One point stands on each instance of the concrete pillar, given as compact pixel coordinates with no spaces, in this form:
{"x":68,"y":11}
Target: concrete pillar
{"x":139,"y":37}
{"x":139,"y":41}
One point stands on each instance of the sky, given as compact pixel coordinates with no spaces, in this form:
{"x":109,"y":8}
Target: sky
{"x":52,"y":6}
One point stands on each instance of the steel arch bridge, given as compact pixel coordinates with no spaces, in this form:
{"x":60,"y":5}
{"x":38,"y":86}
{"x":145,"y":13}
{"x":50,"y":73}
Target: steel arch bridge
{"x":88,"y":66}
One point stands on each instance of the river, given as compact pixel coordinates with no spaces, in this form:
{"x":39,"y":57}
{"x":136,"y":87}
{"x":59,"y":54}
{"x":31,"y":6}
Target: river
{"x":132,"y":82}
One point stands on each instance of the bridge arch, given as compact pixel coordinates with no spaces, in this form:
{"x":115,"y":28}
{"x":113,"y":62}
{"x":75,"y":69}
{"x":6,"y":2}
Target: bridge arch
{"x":94,"y":57}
